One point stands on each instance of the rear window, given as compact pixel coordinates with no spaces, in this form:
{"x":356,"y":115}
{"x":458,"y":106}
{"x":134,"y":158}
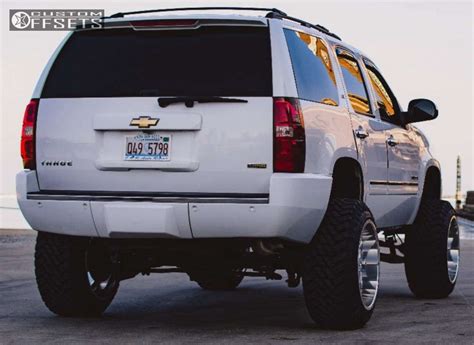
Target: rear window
{"x":208,"y":61}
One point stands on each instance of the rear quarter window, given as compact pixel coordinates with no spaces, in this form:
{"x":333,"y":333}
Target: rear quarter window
{"x":314,"y":74}
{"x":208,"y":61}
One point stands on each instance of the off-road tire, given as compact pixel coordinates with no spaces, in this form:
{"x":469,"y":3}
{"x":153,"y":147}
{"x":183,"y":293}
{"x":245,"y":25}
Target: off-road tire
{"x":330,"y":269}
{"x":220,"y":280}
{"x":426,"y":265}
{"x":61,"y":276}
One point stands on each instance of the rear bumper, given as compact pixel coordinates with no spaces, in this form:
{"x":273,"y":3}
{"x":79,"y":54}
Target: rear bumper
{"x":293,"y":210}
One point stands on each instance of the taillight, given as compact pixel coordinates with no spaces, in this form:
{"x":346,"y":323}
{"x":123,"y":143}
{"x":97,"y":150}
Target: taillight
{"x":289,"y":145}
{"x":28,"y":135}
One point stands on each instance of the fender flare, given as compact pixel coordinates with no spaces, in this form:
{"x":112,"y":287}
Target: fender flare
{"x":430,"y":163}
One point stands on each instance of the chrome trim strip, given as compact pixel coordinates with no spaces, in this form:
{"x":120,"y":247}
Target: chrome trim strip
{"x":389,"y":194}
{"x":393,"y":183}
{"x":136,"y":198}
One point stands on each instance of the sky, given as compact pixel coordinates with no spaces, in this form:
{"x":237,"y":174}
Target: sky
{"x":423,"y":49}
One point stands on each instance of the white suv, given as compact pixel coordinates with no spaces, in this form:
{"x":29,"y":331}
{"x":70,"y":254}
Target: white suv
{"x":225,"y":146}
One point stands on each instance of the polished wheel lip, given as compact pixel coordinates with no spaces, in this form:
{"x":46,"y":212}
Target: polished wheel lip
{"x":453,"y":250}
{"x":368,"y":265}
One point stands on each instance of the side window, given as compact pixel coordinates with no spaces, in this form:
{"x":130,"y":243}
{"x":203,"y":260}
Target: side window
{"x":386,"y":102}
{"x":312,"y":67}
{"x":354,"y":82}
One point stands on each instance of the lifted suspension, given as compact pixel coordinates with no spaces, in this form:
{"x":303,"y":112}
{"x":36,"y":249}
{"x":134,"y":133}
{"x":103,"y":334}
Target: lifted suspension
{"x":395,"y":243}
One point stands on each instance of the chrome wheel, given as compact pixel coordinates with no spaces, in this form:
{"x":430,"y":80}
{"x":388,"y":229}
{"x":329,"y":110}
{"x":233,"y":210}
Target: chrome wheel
{"x":101,"y":277}
{"x":98,"y":285}
{"x":369,"y":265}
{"x":453,"y":250}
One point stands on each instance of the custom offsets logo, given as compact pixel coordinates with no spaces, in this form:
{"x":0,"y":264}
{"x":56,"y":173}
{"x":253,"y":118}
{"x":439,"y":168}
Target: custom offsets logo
{"x":54,"y":20}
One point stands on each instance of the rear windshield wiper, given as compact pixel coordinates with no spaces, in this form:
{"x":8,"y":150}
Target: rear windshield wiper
{"x":189,"y":101}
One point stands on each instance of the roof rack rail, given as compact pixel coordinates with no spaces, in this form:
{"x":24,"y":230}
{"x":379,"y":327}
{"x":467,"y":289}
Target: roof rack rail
{"x":270,"y":10}
{"x":304,"y":23}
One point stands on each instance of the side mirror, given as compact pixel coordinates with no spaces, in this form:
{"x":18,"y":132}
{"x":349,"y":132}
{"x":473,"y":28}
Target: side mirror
{"x":420,"y":110}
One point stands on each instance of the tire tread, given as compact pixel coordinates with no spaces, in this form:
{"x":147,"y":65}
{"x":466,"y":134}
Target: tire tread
{"x":426,"y":250}
{"x":61,"y":276}
{"x":330,"y":278}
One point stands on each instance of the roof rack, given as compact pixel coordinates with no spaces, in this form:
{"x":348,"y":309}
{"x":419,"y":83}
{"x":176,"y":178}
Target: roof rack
{"x":304,"y":23}
{"x":272,"y":13}
{"x":270,"y":10}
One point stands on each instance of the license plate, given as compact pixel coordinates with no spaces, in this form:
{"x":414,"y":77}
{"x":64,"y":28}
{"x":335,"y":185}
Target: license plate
{"x":148,"y":147}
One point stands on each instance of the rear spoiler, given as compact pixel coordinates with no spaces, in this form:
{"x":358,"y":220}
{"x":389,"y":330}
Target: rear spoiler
{"x":169,"y":24}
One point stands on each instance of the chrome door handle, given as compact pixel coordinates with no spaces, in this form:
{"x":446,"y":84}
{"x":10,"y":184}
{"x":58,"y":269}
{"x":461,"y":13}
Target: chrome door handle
{"x":391,"y":141}
{"x":361,"y":133}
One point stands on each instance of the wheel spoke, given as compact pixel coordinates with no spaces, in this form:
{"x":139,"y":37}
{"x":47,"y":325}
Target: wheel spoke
{"x":453,"y":255}
{"x":450,"y":242}
{"x":95,"y":286}
{"x":368,"y":244}
{"x":372,"y":257}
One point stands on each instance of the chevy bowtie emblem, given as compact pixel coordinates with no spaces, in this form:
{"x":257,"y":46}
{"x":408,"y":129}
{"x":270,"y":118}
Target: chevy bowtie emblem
{"x":144,"y":122}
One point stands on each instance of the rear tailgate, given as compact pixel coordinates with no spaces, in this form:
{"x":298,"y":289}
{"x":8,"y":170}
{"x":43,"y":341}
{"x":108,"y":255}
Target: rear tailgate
{"x":106,"y":83}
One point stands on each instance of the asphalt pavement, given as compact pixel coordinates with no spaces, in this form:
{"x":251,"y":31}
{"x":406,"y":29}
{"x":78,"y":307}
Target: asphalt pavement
{"x":170,"y":309}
